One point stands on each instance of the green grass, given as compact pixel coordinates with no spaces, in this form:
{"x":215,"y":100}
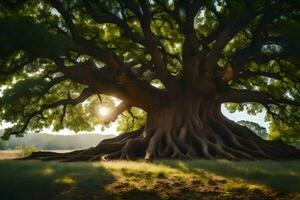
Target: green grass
{"x":166,"y":179}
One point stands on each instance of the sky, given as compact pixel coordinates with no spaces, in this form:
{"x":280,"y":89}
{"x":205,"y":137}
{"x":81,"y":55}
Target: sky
{"x":237,"y":116}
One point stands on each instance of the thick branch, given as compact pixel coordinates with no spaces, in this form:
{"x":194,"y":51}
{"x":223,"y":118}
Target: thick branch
{"x":86,"y":46}
{"x":191,"y":10}
{"x":52,"y":83}
{"x":74,"y":31}
{"x":121,"y":85}
{"x":230,"y":31}
{"x":167,"y":79}
{"x":242,"y":96}
{"x":242,"y":56}
{"x":104,"y":80}
{"x":190,"y":47}
{"x":222,"y":40}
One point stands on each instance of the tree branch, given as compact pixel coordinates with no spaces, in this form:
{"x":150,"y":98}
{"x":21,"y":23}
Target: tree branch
{"x":174,"y":13}
{"x":156,"y":55}
{"x":74,"y":31}
{"x":242,"y":56}
{"x":117,"y":111}
{"x":111,"y":18}
{"x":85,"y":45}
{"x":85,"y":94}
{"x":17,"y":67}
{"x":248,"y":74}
{"x":106,"y":81}
{"x":242,"y":96}
{"x":190,"y":50}
{"x":230,"y":31}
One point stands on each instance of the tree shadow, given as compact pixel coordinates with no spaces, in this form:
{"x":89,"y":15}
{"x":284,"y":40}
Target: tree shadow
{"x":282,"y":176}
{"x":52,"y":180}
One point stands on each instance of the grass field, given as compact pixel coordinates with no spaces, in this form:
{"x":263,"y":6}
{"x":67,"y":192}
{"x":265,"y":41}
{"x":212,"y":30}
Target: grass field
{"x":166,"y":179}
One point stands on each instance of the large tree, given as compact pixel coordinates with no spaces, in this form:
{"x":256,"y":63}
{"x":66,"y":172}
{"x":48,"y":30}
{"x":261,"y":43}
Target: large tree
{"x":176,"y":60}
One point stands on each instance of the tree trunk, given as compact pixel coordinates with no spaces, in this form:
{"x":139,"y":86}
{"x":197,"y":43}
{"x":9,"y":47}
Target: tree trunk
{"x":189,"y":127}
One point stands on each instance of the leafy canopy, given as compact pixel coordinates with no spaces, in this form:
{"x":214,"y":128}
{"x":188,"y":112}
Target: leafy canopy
{"x":59,"y":59}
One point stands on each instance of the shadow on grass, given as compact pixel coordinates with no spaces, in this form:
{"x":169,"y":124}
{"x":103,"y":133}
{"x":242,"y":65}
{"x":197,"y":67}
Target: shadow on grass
{"x":139,"y":180}
{"x":52,"y":180}
{"x":283,"y":176}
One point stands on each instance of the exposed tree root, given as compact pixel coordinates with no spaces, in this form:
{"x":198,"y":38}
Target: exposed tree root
{"x":185,"y":132}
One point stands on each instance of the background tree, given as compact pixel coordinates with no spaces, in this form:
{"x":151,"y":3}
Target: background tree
{"x":2,"y":145}
{"x":256,"y":128}
{"x":176,"y":60}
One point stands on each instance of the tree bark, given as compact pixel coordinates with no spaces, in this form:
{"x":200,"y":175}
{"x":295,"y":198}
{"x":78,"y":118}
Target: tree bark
{"x":189,"y":127}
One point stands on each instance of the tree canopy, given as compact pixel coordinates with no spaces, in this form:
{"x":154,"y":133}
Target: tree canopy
{"x":58,"y":59}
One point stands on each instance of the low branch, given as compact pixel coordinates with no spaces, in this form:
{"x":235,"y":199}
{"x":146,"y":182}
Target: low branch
{"x":243,"y":96}
{"x":104,"y":80}
{"x":47,"y":87}
{"x":85,"y":94}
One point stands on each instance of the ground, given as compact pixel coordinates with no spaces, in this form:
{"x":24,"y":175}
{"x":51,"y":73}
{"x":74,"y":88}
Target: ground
{"x":164,"y":179}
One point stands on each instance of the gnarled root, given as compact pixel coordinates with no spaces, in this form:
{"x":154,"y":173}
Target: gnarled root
{"x":182,"y":133}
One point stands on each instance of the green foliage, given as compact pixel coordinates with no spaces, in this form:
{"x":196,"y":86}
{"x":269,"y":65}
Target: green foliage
{"x":288,"y":133}
{"x":2,"y":145}
{"x":23,"y":33}
{"x":132,"y":120}
{"x":289,"y":30}
{"x":27,"y":150}
{"x":251,"y":108}
{"x":35,"y":30}
{"x":26,"y":88}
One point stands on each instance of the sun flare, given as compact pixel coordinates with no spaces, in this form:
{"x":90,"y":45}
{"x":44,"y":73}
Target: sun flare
{"x":104,"y":111}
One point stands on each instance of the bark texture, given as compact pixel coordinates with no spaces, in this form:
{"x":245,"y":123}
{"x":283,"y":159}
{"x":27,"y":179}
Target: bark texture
{"x":188,"y":128}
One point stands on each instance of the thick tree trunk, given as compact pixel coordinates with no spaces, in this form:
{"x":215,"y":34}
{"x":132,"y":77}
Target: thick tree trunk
{"x":190,"y":127}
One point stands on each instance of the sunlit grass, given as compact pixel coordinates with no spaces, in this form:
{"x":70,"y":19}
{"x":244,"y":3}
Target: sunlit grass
{"x":169,"y":179}
{"x":47,"y":171}
{"x":166,"y":179}
{"x":65,"y":180}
